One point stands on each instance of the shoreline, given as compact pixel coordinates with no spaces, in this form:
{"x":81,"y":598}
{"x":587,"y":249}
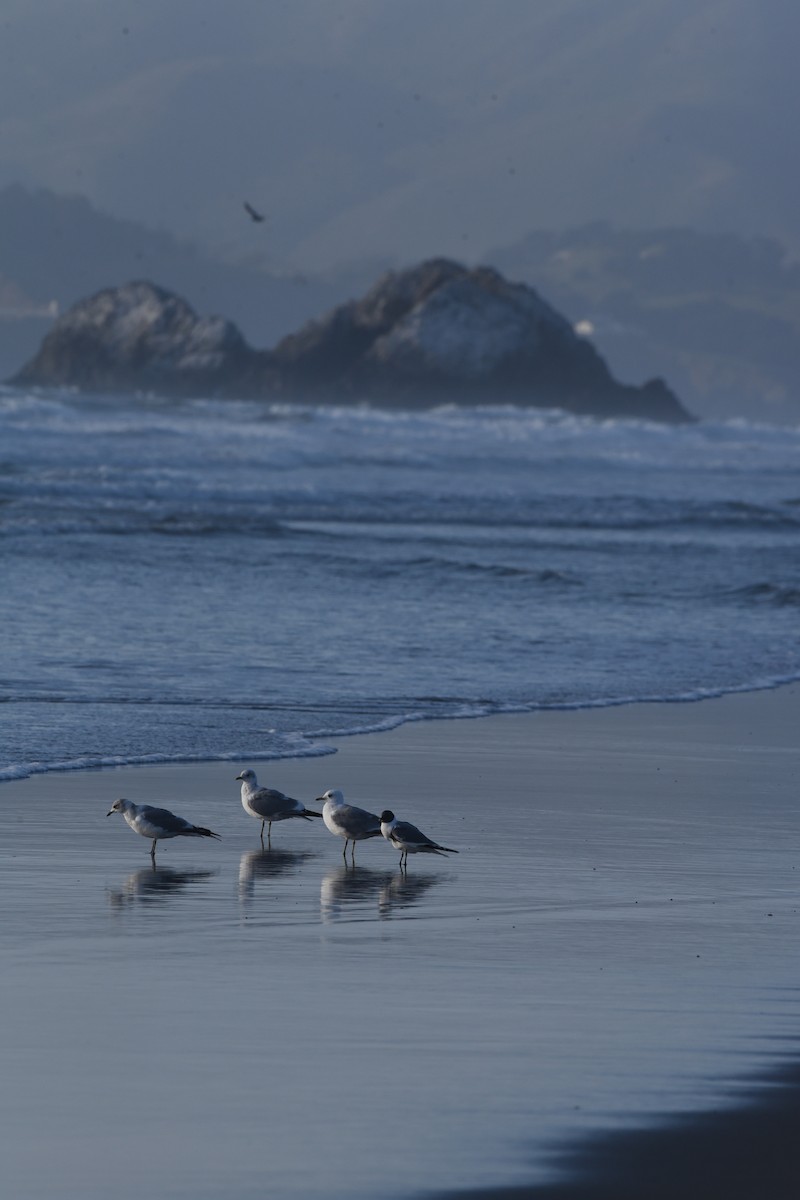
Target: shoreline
{"x":321,"y":746}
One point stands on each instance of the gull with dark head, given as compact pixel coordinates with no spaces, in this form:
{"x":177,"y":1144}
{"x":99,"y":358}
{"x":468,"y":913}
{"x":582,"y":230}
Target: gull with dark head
{"x":346,"y":821}
{"x":406,"y":838}
{"x":268,"y":805}
{"x":157,"y":823}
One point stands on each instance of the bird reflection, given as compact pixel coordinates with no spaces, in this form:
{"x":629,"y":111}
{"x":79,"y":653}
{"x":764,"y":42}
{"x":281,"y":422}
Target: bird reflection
{"x":154,"y":884}
{"x":267,"y":864}
{"x":344,"y":887}
{"x":347,"y":885}
{"x":403,"y":891}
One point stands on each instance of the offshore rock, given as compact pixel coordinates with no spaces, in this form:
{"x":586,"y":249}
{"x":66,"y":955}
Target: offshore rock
{"x":435,"y":333}
{"x":140,"y":337}
{"x":441,"y":331}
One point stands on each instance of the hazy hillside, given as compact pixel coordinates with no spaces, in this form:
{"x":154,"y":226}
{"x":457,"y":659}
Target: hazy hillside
{"x":409,"y":129}
{"x":717,"y":315}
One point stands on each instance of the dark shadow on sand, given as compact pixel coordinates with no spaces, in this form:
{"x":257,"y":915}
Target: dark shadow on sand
{"x":750,"y":1152}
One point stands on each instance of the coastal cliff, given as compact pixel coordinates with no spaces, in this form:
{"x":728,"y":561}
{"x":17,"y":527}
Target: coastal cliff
{"x":434,"y":333}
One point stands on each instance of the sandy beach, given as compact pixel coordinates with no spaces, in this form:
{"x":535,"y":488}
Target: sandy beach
{"x":607,"y":964}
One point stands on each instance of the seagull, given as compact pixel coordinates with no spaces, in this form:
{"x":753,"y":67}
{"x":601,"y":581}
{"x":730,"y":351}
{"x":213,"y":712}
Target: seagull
{"x":347,"y":821}
{"x":253,"y":214}
{"x":406,"y":838}
{"x":157,"y":823}
{"x":267,"y":805}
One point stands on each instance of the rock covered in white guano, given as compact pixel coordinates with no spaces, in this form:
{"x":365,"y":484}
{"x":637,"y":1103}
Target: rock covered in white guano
{"x":468,"y":328}
{"x":138,"y":337}
{"x":444,"y":332}
{"x":438,"y":332}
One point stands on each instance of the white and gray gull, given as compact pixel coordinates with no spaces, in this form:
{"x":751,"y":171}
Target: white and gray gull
{"x":347,"y":821}
{"x":157,"y":823}
{"x":268,"y":805}
{"x":406,"y":838}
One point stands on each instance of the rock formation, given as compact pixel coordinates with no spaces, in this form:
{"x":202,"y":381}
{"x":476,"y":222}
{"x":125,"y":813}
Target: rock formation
{"x":434,"y":333}
{"x":442,"y":332}
{"x":139,"y":337}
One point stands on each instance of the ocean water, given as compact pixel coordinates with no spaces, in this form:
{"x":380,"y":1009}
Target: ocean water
{"x":223,"y":580}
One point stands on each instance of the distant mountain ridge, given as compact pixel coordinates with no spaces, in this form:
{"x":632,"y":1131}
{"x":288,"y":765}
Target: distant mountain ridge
{"x":437,"y":332}
{"x":367,"y":129}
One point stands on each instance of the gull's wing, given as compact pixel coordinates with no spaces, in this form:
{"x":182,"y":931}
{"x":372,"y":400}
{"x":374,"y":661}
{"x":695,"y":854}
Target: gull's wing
{"x":356,"y":821}
{"x":163,"y":818}
{"x":404,"y":833}
{"x":270,"y":803}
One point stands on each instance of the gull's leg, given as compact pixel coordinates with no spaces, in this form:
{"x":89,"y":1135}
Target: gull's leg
{"x":263,"y":823}
{"x":153,"y":849}
{"x":269,"y":834}
{"x":344,"y":852}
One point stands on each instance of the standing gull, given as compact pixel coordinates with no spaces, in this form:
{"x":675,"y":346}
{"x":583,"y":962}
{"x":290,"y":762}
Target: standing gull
{"x":347,"y":821}
{"x":406,"y":838}
{"x":157,"y":823}
{"x":267,"y":805}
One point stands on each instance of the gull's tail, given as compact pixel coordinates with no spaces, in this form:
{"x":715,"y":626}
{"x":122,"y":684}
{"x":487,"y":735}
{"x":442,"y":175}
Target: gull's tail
{"x":199,"y":831}
{"x":447,"y":849}
{"x":311,"y":812}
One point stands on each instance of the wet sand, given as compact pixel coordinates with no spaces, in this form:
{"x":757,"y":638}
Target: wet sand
{"x":608,"y":963}
{"x":740,"y":1155}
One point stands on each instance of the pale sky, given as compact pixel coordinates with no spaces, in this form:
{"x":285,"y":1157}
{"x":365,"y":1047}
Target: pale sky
{"x":403,"y":128}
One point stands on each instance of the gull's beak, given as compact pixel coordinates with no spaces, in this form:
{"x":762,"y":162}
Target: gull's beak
{"x":108,"y":814}
{"x":238,"y":777}
{"x":319,"y":800}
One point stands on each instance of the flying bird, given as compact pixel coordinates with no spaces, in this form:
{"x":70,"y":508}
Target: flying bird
{"x":157,"y":823}
{"x":347,"y":821}
{"x":253,"y":213}
{"x":406,"y":838}
{"x":268,"y":805}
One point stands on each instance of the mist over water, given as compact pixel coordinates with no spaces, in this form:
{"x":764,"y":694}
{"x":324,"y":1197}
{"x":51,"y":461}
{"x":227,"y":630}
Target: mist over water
{"x":214,"y":579}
